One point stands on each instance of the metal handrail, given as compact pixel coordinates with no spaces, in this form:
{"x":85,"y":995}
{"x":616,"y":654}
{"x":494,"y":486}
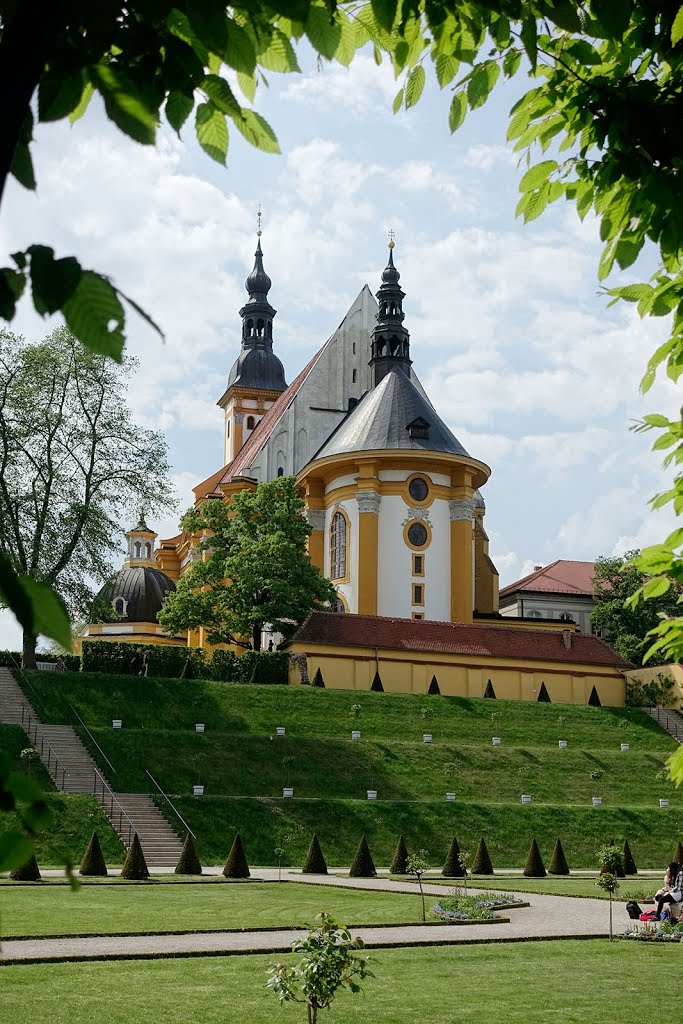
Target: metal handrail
{"x":170,"y":803}
{"x":34,"y":733}
{"x":92,"y":738}
{"x":663,"y":717}
{"x":109,"y":794}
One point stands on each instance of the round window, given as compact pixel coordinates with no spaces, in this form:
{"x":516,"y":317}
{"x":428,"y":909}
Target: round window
{"x":417,"y":535}
{"x":418,"y":489}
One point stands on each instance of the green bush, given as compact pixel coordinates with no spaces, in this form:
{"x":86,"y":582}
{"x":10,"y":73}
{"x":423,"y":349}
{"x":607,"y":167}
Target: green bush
{"x":165,"y":661}
{"x":315,"y":861}
{"x":222,"y":666}
{"x":12,"y":659}
{"x":534,"y":867}
{"x":188,"y":862}
{"x":236,"y":865}
{"x":399,"y":865}
{"x":629,"y":863}
{"x":453,"y":866}
{"x":318,"y":679}
{"x":558,"y":862}
{"x":28,"y":872}
{"x":93,"y":864}
{"x":263,"y":667}
{"x":481,"y":865}
{"x":363,"y":865}
{"x":135,"y":866}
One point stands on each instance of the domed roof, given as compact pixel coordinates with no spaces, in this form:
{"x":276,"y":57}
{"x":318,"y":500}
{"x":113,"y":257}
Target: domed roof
{"x":142,"y":588}
{"x":258,"y":367}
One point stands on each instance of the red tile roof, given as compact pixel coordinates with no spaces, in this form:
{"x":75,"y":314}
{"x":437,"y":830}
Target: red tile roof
{"x":488,"y":641}
{"x":560,"y":577}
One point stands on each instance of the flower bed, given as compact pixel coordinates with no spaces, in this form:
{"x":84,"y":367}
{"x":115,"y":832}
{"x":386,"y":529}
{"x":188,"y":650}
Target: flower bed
{"x":656,"y":931}
{"x":474,"y":908}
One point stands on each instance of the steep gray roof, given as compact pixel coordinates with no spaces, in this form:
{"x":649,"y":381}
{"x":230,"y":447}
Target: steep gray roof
{"x":380,"y":421}
{"x":143,"y":587}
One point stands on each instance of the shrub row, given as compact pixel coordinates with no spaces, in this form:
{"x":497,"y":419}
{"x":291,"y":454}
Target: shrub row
{"x":12,"y":659}
{"x":165,"y":661}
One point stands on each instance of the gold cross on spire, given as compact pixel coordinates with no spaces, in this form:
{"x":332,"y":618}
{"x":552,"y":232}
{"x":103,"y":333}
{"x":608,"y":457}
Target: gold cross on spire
{"x":258,"y":221}
{"x":392,"y":243}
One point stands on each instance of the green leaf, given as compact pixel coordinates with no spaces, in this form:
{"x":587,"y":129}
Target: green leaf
{"x":323,"y":31}
{"x":656,"y":587}
{"x":458,"y":111}
{"x":52,"y":281}
{"x":385,"y":12}
{"x":632,"y":292}
{"x":564,"y":14}
{"x":398,"y":100}
{"x":446,"y":66}
{"x":95,"y":315}
{"x":483,"y":79}
{"x":212,"y":132}
{"x":415,"y":85}
{"x":14,"y":595}
{"x":278,"y":55}
{"x":511,"y":62}
{"x":627,"y":251}
{"x":518,"y":123}
{"x":22,"y":166}
{"x":613,"y":17}
{"x":677,"y":27}
{"x":247,"y":84}
{"x":15,"y":850}
{"x":50,"y":617}
{"x":537,"y":175}
{"x":12,"y":284}
{"x":675,"y":766}
{"x":536,"y":203}
{"x":529,"y":37}
{"x":82,"y":105}
{"x":257,"y":131}
{"x":208,"y":21}
{"x":125,"y":104}
{"x":59,"y":92}
{"x":239,"y":52}
{"x":346,"y":49}
{"x":178,"y":109}
{"x":221,"y":95}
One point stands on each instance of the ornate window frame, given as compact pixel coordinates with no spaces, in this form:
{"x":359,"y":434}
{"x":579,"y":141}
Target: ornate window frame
{"x":123,"y":612}
{"x":407,"y":541}
{"x":335,"y":557}
{"x":425,"y":502}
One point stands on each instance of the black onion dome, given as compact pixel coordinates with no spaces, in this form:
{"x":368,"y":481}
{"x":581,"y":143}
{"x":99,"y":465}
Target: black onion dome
{"x":258,"y":283}
{"x":390,"y":274}
{"x":144,"y":590}
{"x":258,"y":368}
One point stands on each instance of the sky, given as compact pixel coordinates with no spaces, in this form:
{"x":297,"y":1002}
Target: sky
{"x":510,"y":335}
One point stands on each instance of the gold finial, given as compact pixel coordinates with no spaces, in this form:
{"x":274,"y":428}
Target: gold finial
{"x":392,"y":243}
{"x":258,"y":221}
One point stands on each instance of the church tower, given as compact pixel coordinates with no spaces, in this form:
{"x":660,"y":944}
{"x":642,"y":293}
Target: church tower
{"x":257,"y":376}
{"x":390,"y":339}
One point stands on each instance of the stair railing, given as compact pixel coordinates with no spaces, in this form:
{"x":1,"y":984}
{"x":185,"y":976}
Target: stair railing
{"x":106,"y":796}
{"x":92,"y":738}
{"x":171,"y":804}
{"x":667,"y":721}
{"x":48,"y":756}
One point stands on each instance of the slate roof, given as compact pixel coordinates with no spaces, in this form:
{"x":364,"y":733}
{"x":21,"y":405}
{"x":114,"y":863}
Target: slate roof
{"x":258,"y":367}
{"x":381,"y":418}
{"x":481,"y":640}
{"x":142,"y":587}
{"x":560,"y":577}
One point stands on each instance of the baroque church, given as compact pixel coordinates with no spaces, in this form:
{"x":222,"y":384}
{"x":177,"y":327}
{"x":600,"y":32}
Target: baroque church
{"x":396,"y":513}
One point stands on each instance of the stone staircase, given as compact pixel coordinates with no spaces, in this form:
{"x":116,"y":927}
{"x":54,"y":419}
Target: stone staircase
{"x":74,"y":771}
{"x":670,"y":720}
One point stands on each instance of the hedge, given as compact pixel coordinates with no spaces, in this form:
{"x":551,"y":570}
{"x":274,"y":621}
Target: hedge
{"x":171,"y":662}
{"x":271,"y":667}
{"x":12,"y":659}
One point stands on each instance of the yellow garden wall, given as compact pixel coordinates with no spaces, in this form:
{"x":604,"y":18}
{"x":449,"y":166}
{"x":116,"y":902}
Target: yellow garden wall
{"x":646,"y":675}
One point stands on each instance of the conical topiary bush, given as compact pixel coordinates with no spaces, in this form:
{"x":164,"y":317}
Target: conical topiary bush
{"x":558,"y":862}
{"x":315,"y":862}
{"x":434,"y":688}
{"x":399,"y":865}
{"x":629,"y":863}
{"x":377,"y":686}
{"x":236,"y":865}
{"x":481,"y":865}
{"x":318,"y":679}
{"x":93,"y":864}
{"x":534,"y":867}
{"x":28,"y":872}
{"x":363,"y":865}
{"x":489,"y":692}
{"x":135,"y":866}
{"x":453,"y":866}
{"x":188,"y":861}
{"x":678,"y":853}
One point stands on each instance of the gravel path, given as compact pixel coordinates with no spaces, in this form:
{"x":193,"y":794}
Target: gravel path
{"x":547,"y":917}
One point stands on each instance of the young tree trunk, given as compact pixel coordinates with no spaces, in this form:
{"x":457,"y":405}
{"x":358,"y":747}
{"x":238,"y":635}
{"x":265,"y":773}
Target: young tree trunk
{"x":256,"y":636}
{"x":28,"y":654}
{"x":610,"y":917}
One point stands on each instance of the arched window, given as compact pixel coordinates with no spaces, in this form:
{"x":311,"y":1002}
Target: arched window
{"x":259,"y":328}
{"x":120,"y":605}
{"x":338,"y":546}
{"x":250,"y":422}
{"x":566,"y":617}
{"x":534,"y":613}
{"x":137,"y":547}
{"x":250,"y":328}
{"x":340,"y":606}
{"x":148,"y":549}
{"x":280,"y":471}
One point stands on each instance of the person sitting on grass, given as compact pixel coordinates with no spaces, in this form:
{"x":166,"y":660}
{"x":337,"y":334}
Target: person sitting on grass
{"x":674,"y":893}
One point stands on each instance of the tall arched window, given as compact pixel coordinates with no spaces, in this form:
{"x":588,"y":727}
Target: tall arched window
{"x":138,"y":548}
{"x":250,"y":422}
{"x":338,"y":546}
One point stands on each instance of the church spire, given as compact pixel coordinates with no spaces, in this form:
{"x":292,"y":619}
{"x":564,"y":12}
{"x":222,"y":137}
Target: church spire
{"x":257,"y":313}
{"x":390,"y":339}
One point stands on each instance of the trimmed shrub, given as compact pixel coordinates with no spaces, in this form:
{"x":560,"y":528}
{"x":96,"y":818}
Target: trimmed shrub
{"x":236,"y":865}
{"x":594,"y":699}
{"x":399,"y":865}
{"x":543,"y":695}
{"x":558,"y":861}
{"x":453,"y":866}
{"x":620,"y":873}
{"x":534,"y":867}
{"x":434,"y":687}
{"x":28,"y":872}
{"x":263,"y":668}
{"x":377,"y":684}
{"x":223,"y":665}
{"x":363,"y":865}
{"x":135,"y":866}
{"x":629,"y":863}
{"x":489,"y":692}
{"x":164,"y":661}
{"x":12,"y":659}
{"x":678,"y":853}
{"x":315,"y":862}
{"x":318,"y":679}
{"x":481,"y":865}
{"x":188,"y":861}
{"x":93,"y":864}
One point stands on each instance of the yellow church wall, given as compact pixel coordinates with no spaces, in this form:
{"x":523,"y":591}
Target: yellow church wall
{"x":458,"y":676}
{"x":640,"y":676}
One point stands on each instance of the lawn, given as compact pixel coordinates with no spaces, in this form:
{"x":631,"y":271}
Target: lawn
{"x":629,"y":888}
{"x":102,"y":909}
{"x":527,"y":983}
{"x":75,"y":818}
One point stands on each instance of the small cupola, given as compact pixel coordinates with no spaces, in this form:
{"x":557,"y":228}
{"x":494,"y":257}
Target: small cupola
{"x":390,"y":339}
{"x":140,"y":542}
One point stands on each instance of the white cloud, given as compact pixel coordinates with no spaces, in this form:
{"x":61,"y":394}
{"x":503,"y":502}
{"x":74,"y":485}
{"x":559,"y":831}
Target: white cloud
{"x":484,"y":157}
{"x":361,"y":88}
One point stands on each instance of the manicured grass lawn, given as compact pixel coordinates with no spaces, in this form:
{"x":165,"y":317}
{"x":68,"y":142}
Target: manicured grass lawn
{"x":530,"y":983}
{"x":13,"y":740}
{"x":76,"y":817}
{"x":629,"y":888}
{"x":102,"y":909}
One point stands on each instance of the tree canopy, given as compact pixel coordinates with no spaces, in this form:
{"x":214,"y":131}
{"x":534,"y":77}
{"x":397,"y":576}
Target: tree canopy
{"x":252,"y":568}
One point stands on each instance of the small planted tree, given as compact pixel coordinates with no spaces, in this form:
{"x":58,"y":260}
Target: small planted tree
{"x":188,"y":862}
{"x":558,"y":861}
{"x":363,"y":865}
{"x":355,"y":711}
{"x":28,"y":758}
{"x":417,"y":865}
{"x":608,"y":880}
{"x":614,"y":865}
{"x":135,"y":866}
{"x":93,"y":865}
{"x":534,"y":867}
{"x":481,"y":865}
{"x":399,"y":865}
{"x":236,"y":865}
{"x":315,"y":861}
{"x":330,"y":961}
{"x":629,"y":863}
{"x":28,"y":872}
{"x":453,"y":865}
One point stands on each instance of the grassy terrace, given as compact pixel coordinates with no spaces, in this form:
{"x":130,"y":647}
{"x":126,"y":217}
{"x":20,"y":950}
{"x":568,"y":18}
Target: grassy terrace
{"x":635,"y":887}
{"x":615,"y":983}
